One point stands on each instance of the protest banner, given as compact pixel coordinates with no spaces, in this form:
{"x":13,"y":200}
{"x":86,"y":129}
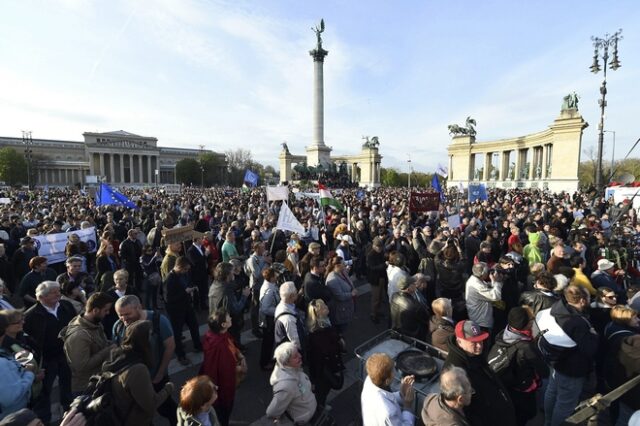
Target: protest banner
{"x":52,"y":246}
{"x":275,"y":193}
{"x":424,"y":201}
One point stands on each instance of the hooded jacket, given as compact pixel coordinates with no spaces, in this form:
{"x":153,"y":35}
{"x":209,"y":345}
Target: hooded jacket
{"x":435,"y":412}
{"x":135,"y":399}
{"x":185,"y":419}
{"x":490,"y":405}
{"x":291,"y":394}
{"x":86,"y":348}
{"x":531,"y":251}
{"x":16,"y":385}
{"x":568,"y":342}
{"x":623,"y":365}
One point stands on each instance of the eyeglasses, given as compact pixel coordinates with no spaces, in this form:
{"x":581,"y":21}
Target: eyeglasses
{"x":613,"y":296}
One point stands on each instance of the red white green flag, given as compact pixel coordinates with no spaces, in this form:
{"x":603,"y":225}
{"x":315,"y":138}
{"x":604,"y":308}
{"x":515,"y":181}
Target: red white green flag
{"x":326,"y":199}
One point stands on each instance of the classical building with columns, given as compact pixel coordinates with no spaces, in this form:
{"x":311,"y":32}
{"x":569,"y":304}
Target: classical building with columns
{"x":363,"y":168}
{"x":118,"y":158}
{"x":547,"y":160}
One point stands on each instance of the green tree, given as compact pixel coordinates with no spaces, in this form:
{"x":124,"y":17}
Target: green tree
{"x":188,"y":172}
{"x":13,"y":167}
{"x":213,"y":169}
{"x":238,"y":161}
{"x":389,"y":177}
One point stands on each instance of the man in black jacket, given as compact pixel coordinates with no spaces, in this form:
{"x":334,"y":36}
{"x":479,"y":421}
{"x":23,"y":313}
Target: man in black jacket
{"x":43,"y":322}
{"x":377,"y":277}
{"x":313,"y":284}
{"x":130,"y":253}
{"x":179,"y":306}
{"x":569,"y":344}
{"x":197,"y":255}
{"x":542,"y":296}
{"x":490,"y":405}
{"x":408,"y":316}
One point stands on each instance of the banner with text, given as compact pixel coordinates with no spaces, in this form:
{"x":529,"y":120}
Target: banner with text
{"x":424,"y":201}
{"x":52,"y":246}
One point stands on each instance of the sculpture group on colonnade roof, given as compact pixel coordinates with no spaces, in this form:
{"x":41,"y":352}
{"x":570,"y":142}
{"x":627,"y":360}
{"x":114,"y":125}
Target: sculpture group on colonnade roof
{"x":469,"y":130}
{"x":373,"y":143}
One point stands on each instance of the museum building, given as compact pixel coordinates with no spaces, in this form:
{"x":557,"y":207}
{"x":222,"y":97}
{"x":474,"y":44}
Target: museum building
{"x":119,"y":158}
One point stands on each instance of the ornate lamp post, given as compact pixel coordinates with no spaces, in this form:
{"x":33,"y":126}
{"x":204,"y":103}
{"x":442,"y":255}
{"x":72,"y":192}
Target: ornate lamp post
{"x":613,"y":152}
{"x":28,"y":142}
{"x":602,"y":45}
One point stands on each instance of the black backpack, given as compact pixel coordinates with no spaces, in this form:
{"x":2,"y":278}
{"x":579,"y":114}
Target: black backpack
{"x":501,"y":361}
{"x":97,"y":401}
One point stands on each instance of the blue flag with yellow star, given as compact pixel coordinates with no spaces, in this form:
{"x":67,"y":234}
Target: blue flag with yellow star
{"x":107,"y":195}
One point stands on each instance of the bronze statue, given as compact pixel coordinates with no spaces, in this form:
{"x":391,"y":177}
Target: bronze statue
{"x":285,"y":148}
{"x":373,"y":143}
{"x":319,"y":30}
{"x":469,"y":130}
{"x":570,"y":101}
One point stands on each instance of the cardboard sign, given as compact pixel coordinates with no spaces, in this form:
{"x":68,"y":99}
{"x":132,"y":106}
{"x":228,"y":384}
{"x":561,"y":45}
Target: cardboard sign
{"x":424,"y":201}
{"x":177,"y":235}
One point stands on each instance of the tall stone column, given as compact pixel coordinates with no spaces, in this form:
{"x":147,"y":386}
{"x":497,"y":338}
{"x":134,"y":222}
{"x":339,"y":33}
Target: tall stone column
{"x":318,"y":152}
{"x":140,"y":179}
{"x":102,"y":171}
{"x":121,"y":158}
{"x":149,"y":170}
{"x":112,"y":169}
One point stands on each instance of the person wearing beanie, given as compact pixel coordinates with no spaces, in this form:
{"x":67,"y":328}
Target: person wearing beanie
{"x":524,"y":375}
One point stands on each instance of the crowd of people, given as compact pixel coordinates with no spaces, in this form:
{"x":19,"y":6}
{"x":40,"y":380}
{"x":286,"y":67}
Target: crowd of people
{"x":533,"y":296}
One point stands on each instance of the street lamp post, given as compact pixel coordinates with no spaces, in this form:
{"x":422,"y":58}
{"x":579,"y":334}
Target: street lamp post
{"x":202,"y":176}
{"x":28,"y":142}
{"x":602,"y":45}
{"x":409,"y":176}
{"x":613,"y":152}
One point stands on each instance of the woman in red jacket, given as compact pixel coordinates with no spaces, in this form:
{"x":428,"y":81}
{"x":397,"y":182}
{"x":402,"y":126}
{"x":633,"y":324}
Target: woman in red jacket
{"x":223,"y":363}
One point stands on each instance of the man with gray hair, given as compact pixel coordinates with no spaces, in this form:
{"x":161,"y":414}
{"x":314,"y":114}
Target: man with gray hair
{"x":43,"y":322}
{"x":288,"y":325}
{"x":447,"y":407}
{"x":483,"y":288}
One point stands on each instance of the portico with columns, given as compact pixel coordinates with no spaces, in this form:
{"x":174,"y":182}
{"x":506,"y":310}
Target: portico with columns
{"x":544,"y":160}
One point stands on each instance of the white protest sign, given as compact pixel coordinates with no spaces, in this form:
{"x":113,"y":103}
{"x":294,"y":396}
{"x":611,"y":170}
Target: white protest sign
{"x":52,"y":246}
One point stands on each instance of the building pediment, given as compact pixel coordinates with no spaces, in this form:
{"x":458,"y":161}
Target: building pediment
{"x":122,"y":143}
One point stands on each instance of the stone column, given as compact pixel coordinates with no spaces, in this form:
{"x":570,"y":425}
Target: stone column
{"x":131,"y":175}
{"x":91,"y":163}
{"x":544,"y":161}
{"x":318,"y":55}
{"x":112,"y":169}
{"x":488,"y":157}
{"x":102,"y":172}
{"x":121,"y":157}
{"x":149,"y":170}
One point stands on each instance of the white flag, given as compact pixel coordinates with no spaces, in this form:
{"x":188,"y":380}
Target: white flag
{"x":288,"y":222}
{"x":275,"y":193}
{"x":442,"y":171}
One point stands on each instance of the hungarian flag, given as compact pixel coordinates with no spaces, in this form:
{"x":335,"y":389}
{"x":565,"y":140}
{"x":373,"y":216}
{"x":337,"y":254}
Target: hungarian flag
{"x":326,"y":199}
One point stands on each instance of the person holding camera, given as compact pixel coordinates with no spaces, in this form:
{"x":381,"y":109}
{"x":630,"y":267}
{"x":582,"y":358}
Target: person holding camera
{"x":484,"y":288}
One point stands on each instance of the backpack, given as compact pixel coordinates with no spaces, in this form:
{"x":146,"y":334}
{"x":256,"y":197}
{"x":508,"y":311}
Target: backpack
{"x":281,"y":333}
{"x":97,"y":401}
{"x":501,"y":362}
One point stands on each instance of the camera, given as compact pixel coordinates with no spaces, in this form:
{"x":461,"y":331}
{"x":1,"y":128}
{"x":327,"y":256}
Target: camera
{"x":90,"y":407}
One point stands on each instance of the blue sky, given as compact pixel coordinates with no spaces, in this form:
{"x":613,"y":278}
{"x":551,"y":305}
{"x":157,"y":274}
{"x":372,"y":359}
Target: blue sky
{"x":231,"y":74}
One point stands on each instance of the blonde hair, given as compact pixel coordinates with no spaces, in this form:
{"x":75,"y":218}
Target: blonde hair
{"x":621,"y":314}
{"x":442,"y":307}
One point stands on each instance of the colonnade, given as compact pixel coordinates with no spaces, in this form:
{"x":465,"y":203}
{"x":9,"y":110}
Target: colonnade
{"x":124,"y":168}
{"x":529,"y":163}
{"x":60,"y":176}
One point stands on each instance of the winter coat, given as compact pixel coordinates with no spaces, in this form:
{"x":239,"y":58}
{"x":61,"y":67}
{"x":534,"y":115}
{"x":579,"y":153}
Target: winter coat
{"x":376,"y":268}
{"x":451,"y":278}
{"x":135,"y":399}
{"x":291,"y":394}
{"x":86,"y":348}
{"x":490,"y":405}
{"x":569,"y":342}
{"x":479,"y":296}
{"x":341,"y":306}
{"x":219,"y":363}
{"x":314,"y":288}
{"x":529,"y":366}
{"x":441,"y":329}
{"x":435,"y":412}
{"x":381,"y":407}
{"x":408,"y":316}
{"x":394,"y":274}
{"x":538,"y":300}
{"x":44,"y":328}
{"x":15,"y":391}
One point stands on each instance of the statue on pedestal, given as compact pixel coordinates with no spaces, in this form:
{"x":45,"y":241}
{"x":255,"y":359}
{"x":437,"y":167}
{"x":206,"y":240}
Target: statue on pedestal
{"x":512,"y":170}
{"x":570,"y":101}
{"x":285,"y":148}
{"x":494,"y":173}
{"x":538,"y":171}
{"x":457,"y":130}
{"x":319,"y":30}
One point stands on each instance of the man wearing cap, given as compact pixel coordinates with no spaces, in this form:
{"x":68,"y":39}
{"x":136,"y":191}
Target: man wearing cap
{"x":490,"y":405}
{"x":606,"y":276}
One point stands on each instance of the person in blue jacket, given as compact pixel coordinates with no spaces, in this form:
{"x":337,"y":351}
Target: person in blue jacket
{"x":17,"y":380}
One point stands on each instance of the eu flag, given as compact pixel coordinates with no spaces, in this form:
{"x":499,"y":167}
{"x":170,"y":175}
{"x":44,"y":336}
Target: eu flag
{"x":107,"y":195}
{"x":251,"y":178}
{"x":435,"y":183}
